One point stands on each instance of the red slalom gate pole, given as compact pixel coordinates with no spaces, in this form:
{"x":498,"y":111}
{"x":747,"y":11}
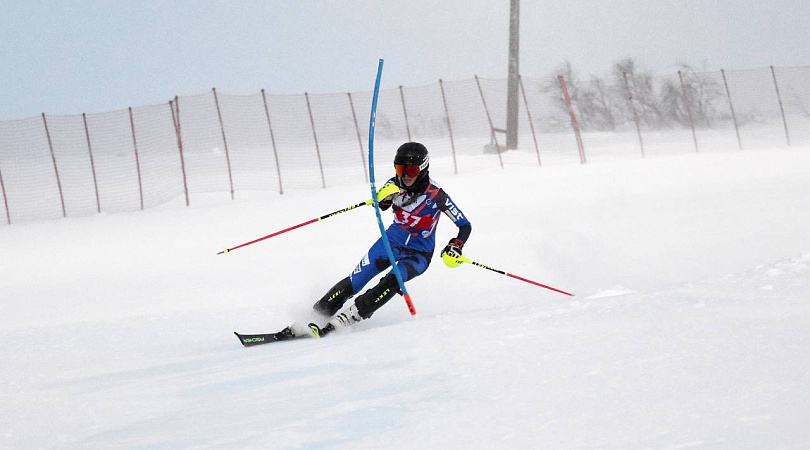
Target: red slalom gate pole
{"x":469,"y":261}
{"x":349,"y":208}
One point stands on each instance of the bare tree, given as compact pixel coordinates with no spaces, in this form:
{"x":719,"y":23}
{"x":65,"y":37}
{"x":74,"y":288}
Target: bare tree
{"x":795,"y":99}
{"x":593,"y":101}
{"x":661,"y":102}
{"x":672,"y":105}
{"x":702,"y":94}
{"x":642,"y":86}
{"x":598,"y":105}
{"x":559,"y":119}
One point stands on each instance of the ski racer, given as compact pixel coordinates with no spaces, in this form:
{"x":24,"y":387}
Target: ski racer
{"x":417,"y":202}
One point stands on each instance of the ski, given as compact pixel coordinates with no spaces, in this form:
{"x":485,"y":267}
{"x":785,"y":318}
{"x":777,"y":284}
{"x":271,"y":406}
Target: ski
{"x":249,"y":340}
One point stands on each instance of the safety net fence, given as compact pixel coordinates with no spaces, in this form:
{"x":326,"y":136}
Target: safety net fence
{"x":137,"y":158}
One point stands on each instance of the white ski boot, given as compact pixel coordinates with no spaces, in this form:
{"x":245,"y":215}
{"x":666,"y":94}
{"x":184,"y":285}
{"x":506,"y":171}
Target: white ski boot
{"x":341,"y":321}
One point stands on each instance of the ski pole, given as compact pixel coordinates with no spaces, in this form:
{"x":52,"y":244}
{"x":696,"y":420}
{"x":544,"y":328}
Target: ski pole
{"x":463,"y":258}
{"x":367,"y":202}
{"x":386,"y":190}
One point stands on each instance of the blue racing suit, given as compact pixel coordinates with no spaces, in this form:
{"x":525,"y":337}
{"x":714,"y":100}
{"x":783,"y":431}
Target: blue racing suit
{"x":412,"y":236}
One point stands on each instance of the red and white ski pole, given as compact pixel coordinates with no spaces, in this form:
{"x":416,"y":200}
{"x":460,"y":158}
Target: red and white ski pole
{"x":464,"y":259}
{"x":349,"y":208}
{"x":384,"y":192}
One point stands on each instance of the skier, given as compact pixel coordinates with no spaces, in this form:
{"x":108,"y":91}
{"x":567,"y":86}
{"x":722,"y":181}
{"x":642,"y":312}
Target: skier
{"x":417,"y":202}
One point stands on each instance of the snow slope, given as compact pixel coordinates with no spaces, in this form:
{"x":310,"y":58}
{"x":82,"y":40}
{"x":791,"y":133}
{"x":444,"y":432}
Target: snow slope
{"x":690,"y":327}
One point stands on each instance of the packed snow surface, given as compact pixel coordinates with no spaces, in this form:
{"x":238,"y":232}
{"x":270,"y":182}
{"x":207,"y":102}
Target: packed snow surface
{"x":690,"y":327}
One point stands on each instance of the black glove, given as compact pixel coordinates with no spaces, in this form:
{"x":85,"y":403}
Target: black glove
{"x":385,"y":204}
{"x":453,"y":248}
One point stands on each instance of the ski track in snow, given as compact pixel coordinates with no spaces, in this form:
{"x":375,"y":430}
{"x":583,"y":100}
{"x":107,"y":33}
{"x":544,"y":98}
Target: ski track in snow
{"x":690,"y":328}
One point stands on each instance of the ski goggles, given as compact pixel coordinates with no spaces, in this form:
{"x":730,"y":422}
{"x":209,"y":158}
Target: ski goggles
{"x":409,"y":170}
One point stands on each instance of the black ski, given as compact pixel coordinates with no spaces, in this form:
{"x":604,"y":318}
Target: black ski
{"x":249,"y":340}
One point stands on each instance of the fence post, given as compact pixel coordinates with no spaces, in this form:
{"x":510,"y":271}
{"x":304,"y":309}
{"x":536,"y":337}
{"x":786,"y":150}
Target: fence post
{"x":491,"y":126}
{"x":137,"y":157}
{"x":449,"y":127}
{"x":529,"y":115}
{"x":781,"y":108}
{"x":405,"y":112}
{"x":273,"y":142}
{"x":688,"y":109}
{"x":574,"y":122}
{"x":731,"y":106}
{"x":5,"y":199}
{"x":92,"y":163}
{"x":224,"y":140}
{"x":359,"y":139}
{"x":176,"y":121}
{"x":55,"y":167}
{"x":635,"y":113}
{"x":315,"y":135}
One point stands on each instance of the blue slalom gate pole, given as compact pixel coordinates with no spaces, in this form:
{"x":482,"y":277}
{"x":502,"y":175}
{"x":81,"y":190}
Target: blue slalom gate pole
{"x":374,"y":190}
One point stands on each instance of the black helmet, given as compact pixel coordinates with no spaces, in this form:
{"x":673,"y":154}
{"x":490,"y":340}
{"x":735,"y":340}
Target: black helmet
{"x":412,"y":154}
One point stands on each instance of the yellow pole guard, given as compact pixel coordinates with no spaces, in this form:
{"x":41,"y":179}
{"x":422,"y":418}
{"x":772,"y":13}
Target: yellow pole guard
{"x":452,"y":262}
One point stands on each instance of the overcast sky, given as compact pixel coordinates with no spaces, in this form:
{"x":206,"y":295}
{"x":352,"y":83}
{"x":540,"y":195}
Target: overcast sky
{"x":69,"y":57}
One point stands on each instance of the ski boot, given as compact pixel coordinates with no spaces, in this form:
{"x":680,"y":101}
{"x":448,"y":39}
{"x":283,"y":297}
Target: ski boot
{"x":340,"y":321}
